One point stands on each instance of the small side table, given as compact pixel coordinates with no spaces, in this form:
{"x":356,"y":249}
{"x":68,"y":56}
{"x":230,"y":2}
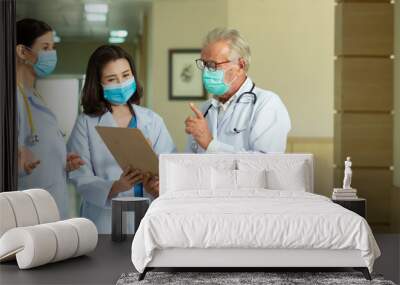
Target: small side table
{"x":358,"y":205}
{"x":139,"y":205}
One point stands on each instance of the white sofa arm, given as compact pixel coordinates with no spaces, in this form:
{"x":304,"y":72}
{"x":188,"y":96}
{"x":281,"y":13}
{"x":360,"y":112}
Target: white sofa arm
{"x":26,"y":208}
{"x":40,"y":244}
{"x":32,"y":246}
{"x":87,"y":235}
{"x":31,"y":232}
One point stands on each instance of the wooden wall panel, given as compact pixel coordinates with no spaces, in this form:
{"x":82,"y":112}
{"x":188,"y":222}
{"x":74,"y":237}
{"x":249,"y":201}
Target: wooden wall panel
{"x":363,"y":124}
{"x":364,"y":84}
{"x":364,"y":29}
{"x":366,"y":137}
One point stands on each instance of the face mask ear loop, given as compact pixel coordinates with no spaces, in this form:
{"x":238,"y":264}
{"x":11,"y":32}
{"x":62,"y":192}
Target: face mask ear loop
{"x":25,"y":61}
{"x":229,"y":83}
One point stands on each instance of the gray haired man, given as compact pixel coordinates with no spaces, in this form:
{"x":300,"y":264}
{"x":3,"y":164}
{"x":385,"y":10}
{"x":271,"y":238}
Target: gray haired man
{"x":239,"y":116}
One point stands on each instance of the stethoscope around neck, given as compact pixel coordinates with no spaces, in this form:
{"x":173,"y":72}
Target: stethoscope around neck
{"x":195,"y":145}
{"x":250,"y":92}
{"x":33,"y":137}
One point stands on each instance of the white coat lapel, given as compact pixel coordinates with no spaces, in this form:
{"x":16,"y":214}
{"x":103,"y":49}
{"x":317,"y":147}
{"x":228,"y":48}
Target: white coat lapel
{"x":107,"y":120}
{"x":143,"y":121}
{"x":212,"y":120}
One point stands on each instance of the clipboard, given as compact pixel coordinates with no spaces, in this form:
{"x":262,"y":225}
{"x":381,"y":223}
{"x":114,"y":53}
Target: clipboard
{"x":130,"y":148}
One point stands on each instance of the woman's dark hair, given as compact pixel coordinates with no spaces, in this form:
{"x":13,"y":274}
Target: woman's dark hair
{"x":28,"y":30}
{"x":93,"y":101}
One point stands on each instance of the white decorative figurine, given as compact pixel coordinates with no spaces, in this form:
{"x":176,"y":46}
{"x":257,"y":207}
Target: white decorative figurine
{"x":347,"y":174}
{"x":347,"y":192}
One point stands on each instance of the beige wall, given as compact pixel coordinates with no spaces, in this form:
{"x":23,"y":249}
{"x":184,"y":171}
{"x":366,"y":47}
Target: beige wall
{"x":292,"y":54}
{"x":322,"y":149}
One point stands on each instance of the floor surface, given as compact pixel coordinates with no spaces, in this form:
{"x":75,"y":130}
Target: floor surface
{"x":110,"y":260}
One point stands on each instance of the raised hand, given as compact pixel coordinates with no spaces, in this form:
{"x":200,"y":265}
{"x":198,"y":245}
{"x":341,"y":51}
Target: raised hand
{"x":197,"y":126}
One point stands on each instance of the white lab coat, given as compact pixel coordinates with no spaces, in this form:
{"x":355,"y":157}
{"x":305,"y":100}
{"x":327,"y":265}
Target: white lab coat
{"x":94,"y":179}
{"x":51,"y":150}
{"x":263,"y":126}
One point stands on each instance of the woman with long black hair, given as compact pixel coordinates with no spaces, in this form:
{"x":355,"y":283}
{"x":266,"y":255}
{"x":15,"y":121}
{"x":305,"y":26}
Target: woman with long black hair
{"x":110,"y":96}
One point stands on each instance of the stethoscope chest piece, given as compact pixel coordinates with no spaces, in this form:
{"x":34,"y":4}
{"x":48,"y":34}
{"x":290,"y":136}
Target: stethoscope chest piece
{"x":33,"y":139}
{"x":194,"y":146}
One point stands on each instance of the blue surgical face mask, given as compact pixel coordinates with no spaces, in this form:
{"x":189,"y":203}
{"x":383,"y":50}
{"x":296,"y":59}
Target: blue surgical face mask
{"x":119,"y":94}
{"x":214,"y":82}
{"x":46,"y":63}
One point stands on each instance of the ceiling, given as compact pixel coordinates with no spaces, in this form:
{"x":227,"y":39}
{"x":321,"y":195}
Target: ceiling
{"x":67,"y":17}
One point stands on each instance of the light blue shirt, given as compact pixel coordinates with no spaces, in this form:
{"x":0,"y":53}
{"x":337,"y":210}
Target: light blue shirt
{"x":94,"y":179}
{"x":263,"y":126}
{"x":51,"y":150}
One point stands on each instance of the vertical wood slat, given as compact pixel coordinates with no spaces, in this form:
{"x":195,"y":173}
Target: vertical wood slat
{"x":364,"y":29}
{"x":364,"y":84}
{"x":366,"y":137}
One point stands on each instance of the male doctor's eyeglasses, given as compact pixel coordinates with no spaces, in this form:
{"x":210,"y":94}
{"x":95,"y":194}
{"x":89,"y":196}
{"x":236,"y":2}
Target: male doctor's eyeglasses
{"x":210,"y":64}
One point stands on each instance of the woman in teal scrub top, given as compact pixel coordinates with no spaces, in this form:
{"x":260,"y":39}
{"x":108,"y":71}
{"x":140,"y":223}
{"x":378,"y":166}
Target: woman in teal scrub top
{"x":110,"y":96}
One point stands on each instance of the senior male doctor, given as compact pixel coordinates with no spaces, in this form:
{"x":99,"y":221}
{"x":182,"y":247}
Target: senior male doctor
{"x":240,"y":116}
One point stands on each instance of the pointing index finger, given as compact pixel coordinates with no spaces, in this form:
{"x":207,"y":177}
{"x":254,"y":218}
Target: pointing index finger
{"x":196,"y":111}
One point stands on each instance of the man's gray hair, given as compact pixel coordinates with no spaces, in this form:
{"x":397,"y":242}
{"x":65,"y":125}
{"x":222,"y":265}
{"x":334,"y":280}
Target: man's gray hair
{"x":238,"y":45}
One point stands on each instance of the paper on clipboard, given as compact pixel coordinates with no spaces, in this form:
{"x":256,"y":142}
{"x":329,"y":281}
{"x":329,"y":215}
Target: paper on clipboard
{"x":129,"y":148}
